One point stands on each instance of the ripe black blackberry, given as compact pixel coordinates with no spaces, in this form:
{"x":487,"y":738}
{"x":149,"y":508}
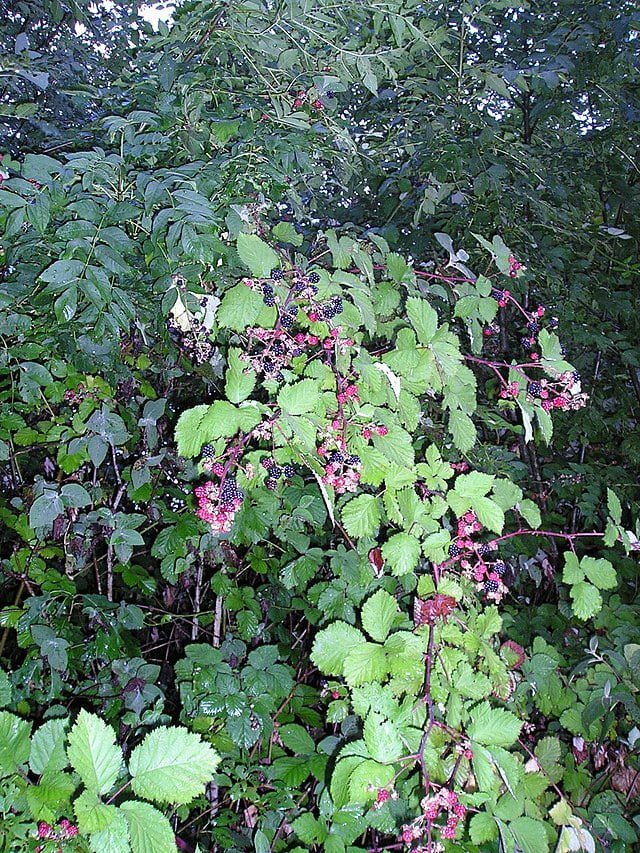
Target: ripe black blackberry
{"x":526,"y":343}
{"x":534,"y":389}
{"x":483,"y":550}
{"x":353,"y":460}
{"x":278,"y":348}
{"x":497,"y":295}
{"x":563,"y":349}
{"x":286,"y":321}
{"x":313,"y":278}
{"x":275,"y":472}
{"x":271,"y":484}
{"x":336,"y":457}
{"x":268,"y":365}
{"x":553,"y":322}
{"x":500,"y":568}
{"x":576,"y":376}
{"x":491,"y":586}
{"x":293,"y":310}
{"x":533,"y":327}
{"x":454,"y":550}
{"x":230,"y":492}
{"x":277,"y":274}
{"x":208,"y":452}
{"x":314,"y":290}
{"x":289,"y":471}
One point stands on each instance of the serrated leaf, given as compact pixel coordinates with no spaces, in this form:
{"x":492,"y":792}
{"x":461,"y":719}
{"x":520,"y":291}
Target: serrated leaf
{"x":463,"y":430}
{"x":614,"y":506}
{"x":240,"y":307}
{"x":14,"y":742}
{"x":112,"y":839}
{"x":93,"y":753}
{"x":366,"y":778}
{"x":482,"y":828}
{"x":530,"y":511}
{"x":300,"y":398}
{"x":365,"y":662}
{"x":172,"y":765}
{"x":332,"y":645}
{"x":600,"y":572}
{"x":297,"y":739}
{"x":489,"y":514}
{"x":423,"y":318}
{"x":240,"y":379}
{"x":341,"y":777}
{"x":149,"y":829}
{"x":586,"y":600}
{"x":6,"y":690}
{"x":382,"y":739}
{"x":47,"y":747}
{"x":257,"y":255}
{"x":529,"y":834}
{"x":402,"y":552}
{"x":92,"y":814}
{"x":361,"y":516}
{"x":379,"y":614}
{"x":493,"y":726}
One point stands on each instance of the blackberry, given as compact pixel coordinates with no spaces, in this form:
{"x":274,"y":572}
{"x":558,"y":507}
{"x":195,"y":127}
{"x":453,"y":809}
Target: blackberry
{"x":278,"y":376}
{"x":278,"y":348}
{"x":533,"y":327}
{"x":289,"y":471}
{"x":298,"y":286}
{"x":313,"y":278}
{"x":534,"y":389}
{"x":353,"y":460}
{"x":275,"y":472}
{"x":576,"y":376}
{"x":293,"y":310}
{"x":483,"y":550}
{"x":553,"y":323}
{"x":268,"y":365}
{"x":454,"y":550}
{"x":500,"y":568}
{"x":497,"y":295}
{"x":277,"y":275}
{"x":491,"y":586}
{"x":563,"y":349}
{"x":526,"y":343}
{"x":267,"y":290}
{"x":286,"y":321}
{"x":269,"y":301}
{"x":267,"y":463}
{"x":230,"y":492}
{"x":314,"y":290}
{"x":331,"y":94}
{"x":208,"y":452}
{"x":271,"y":484}
{"x":336,"y":457}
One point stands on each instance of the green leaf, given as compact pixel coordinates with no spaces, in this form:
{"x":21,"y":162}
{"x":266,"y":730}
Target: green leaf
{"x":256,"y":255}
{"x":284,"y":232}
{"x":300,"y":398}
{"x":493,"y":726}
{"x":379,"y":614}
{"x":366,"y":778}
{"x":614,"y":506}
{"x":114,"y":838}
{"x":240,"y":307}
{"x":92,"y":814}
{"x":530,"y":511}
{"x":51,"y":796}
{"x":297,"y":739}
{"x":402,"y":552}
{"x":45,"y":509}
{"x":187,"y":432}
{"x":382,"y":739}
{"x":172,"y":765}
{"x":489,"y":514}
{"x":14,"y":742}
{"x":333,"y":645}
{"x":572,"y":572}
{"x":366,"y":662}
{"x":586,"y":599}
{"x":423,"y":318}
{"x":240,"y":379}
{"x":6,"y":690}
{"x":463,"y":430}
{"x":47,"y":747}
{"x":529,"y":834}
{"x":149,"y":829}
{"x":482,"y":828}
{"x":93,"y":753}
{"x":361,"y":516}
{"x":600,"y":572}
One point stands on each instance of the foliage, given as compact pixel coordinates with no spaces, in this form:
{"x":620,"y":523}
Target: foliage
{"x":317,"y":428}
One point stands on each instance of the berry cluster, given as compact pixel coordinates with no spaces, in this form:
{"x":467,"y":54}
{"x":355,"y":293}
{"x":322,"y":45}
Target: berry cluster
{"x":218,"y":504}
{"x":75,"y":396}
{"x":369,"y":430}
{"x":383,"y":795}
{"x":193,"y":342}
{"x":427,"y":611}
{"x":502,"y":297}
{"x":472,"y":558}
{"x":563,"y":393}
{"x":64,"y":831}
{"x":514,"y":266}
{"x":273,"y":349}
{"x":510,"y":391}
{"x":445,"y":802}
{"x":302,"y":97}
{"x":341,"y":468}
{"x":276,"y":472}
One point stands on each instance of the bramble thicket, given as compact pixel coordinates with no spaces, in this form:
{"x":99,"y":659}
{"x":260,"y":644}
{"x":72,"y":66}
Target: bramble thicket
{"x":319,"y":442}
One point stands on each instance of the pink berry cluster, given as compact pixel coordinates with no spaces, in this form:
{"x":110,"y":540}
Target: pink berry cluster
{"x":218,"y":504}
{"x":514,"y":266}
{"x":271,"y":350}
{"x":383,"y":795}
{"x":64,"y":831}
{"x":370,"y":430}
{"x":310,"y":97}
{"x":75,"y":396}
{"x":444,"y":802}
{"x":341,"y":468}
{"x":472,"y":557}
{"x":510,"y":391}
{"x":564,"y":393}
